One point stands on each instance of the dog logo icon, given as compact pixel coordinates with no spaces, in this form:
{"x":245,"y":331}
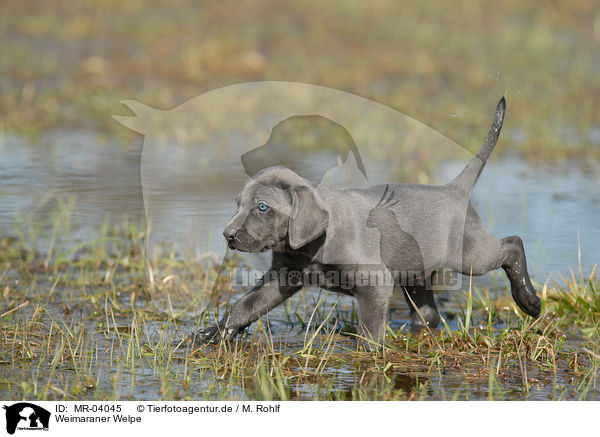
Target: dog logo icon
{"x":26,"y":416}
{"x":290,"y":144}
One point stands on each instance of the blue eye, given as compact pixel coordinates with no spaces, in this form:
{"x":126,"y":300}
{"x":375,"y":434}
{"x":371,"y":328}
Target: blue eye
{"x":262,"y":207}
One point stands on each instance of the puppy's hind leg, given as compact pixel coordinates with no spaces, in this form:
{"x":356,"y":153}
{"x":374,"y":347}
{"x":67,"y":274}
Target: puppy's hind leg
{"x":515,"y":265}
{"x":483,"y":252}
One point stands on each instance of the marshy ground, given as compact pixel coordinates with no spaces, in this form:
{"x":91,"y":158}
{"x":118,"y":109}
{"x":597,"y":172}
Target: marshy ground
{"x":77,"y":322}
{"x":78,"y":317}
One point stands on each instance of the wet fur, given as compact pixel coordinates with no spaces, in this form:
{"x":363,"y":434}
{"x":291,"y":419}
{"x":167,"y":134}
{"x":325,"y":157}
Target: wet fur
{"x":321,"y":229}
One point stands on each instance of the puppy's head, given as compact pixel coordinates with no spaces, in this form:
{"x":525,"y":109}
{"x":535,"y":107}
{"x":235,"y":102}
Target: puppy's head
{"x":276,"y":206}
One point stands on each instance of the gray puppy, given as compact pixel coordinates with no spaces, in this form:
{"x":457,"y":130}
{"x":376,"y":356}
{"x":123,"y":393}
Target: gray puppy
{"x":328,"y":234}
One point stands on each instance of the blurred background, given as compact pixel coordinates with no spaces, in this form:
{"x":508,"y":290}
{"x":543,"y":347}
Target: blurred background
{"x":68,"y":64}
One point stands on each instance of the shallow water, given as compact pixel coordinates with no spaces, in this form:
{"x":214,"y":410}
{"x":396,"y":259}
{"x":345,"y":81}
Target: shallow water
{"x":554,"y":209}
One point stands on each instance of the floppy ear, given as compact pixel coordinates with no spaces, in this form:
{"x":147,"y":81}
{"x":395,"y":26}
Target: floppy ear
{"x":308,"y":219}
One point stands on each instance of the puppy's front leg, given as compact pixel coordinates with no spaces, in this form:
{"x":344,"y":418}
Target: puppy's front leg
{"x":265,"y":296}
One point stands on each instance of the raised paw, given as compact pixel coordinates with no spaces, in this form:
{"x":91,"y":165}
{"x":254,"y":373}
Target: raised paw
{"x":527,"y":300}
{"x":515,"y":267}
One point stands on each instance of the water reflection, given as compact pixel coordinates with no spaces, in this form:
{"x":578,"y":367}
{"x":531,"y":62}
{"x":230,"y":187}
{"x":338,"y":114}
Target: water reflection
{"x":548,"y":207}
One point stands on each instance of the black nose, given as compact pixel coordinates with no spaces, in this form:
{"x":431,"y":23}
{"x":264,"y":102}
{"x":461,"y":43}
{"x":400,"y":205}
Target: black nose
{"x":229,"y":234}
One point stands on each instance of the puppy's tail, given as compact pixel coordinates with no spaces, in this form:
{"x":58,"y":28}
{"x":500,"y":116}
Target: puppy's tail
{"x":467,"y":178}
